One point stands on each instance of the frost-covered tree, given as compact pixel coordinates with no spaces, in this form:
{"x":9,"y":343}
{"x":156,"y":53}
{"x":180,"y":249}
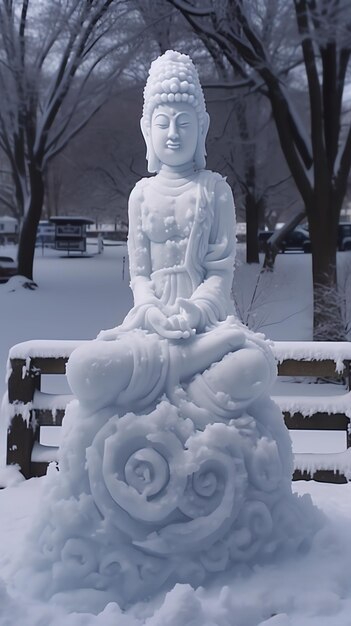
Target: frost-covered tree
{"x":59,"y":62}
{"x":315,"y":39}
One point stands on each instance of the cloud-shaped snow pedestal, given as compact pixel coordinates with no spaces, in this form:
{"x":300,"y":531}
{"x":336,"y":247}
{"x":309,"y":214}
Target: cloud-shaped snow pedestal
{"x":159,"y":502}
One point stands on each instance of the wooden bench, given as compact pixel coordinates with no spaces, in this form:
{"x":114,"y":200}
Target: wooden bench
{"x":29,"y":408}
{"x":316,"y":397}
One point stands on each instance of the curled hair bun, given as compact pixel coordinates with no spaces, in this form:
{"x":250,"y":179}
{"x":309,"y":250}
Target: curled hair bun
{"x":173,"y":78}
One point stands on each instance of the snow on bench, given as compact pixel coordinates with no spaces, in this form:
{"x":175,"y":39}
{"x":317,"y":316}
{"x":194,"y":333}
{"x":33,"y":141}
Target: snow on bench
{"x":336,"y":351}
{"x":35,"y":417}
{"x":322,"y":403}
{"x":44,"y":348}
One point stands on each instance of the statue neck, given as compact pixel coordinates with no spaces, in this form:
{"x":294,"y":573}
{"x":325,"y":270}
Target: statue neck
{"x":173,"y":172}
{"x":173,"y":180}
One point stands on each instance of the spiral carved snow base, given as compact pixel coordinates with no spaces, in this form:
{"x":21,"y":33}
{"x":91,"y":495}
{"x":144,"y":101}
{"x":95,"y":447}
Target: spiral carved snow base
{"x":167,"y":487}
{"x":164,"y":502}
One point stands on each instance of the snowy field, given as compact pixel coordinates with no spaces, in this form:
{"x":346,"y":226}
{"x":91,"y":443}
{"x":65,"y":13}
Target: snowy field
{"x":76,"y":298}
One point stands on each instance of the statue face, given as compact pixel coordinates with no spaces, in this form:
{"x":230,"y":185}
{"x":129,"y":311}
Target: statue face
{"x":174,"y":133}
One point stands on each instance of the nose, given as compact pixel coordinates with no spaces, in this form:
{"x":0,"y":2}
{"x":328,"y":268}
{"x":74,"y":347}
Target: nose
{"x":173,"y":130}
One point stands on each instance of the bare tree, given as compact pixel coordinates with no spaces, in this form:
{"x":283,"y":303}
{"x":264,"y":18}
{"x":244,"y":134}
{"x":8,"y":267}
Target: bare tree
{"x":59,"y":61}
{"x":242,"y":126}
{"x":319,"y":153}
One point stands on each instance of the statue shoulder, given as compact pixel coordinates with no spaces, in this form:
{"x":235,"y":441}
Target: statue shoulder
{"x":222,"y":187}
{"x":213,"y":181}
{"x":209,"y":177}
{"x":219,"y":184}
{"x":143,"y":182}
{"x":215,"y":187}
{"x":137,"y":194}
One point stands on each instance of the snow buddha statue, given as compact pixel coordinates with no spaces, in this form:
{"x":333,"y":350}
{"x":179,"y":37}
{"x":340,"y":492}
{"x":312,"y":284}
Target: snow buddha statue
{"x":181,"y":246}
{"x":175,"y":465}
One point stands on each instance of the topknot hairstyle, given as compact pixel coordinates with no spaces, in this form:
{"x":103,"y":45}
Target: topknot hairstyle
{"x":173,"y":78}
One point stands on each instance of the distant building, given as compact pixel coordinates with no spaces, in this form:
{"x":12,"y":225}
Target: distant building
{"x":70,"y":232}
{"x":8,"y":229}
{"x":46,"y":233}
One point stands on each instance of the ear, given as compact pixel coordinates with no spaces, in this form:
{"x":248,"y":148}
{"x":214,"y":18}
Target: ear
{"x":145,"y":130}
{"x":152,"y":160}
{"x":200,"y":153}
{"x":206,"y":125}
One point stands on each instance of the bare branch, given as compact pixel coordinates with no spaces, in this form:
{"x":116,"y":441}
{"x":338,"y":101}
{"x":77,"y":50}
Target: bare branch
{"x":314,"y":86}
{"x":22,"y":28}
{"x":254,"y":55}
{"x":229,"y":85}
{"x":183,"y":5}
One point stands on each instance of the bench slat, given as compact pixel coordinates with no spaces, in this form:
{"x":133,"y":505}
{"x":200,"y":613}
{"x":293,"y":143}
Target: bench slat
{"x":317,"y":421}
{"x":321,"y":476}
{"x":319,"y":369}
{"x":45,"y":417}
{"x":50,"y":365}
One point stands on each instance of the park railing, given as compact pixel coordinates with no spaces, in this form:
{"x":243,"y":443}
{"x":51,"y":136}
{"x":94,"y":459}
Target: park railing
{"x":312,"y":390}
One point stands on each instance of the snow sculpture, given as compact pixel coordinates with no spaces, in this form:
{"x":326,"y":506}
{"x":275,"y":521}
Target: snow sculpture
{"x":175,"y":464}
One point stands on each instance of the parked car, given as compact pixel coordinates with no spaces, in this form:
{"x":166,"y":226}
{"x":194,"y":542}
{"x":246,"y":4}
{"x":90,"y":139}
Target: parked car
{"x":8,"y":268}
{"x":344,"y":236}
{"x":297,"y":239}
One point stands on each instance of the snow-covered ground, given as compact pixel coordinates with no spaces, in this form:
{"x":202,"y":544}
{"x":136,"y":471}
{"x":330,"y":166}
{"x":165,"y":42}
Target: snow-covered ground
{"x":76,"y":298}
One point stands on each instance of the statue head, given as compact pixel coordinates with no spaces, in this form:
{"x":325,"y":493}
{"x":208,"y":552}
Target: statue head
{"x":173,"y":84}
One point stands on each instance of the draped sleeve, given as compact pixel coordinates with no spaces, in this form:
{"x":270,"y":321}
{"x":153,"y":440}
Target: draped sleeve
{"x":139,"y":250}
{"x":139,"y":264}
{"x":213,"y":295}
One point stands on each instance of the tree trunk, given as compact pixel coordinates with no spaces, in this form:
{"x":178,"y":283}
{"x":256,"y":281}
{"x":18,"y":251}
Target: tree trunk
{"x":252,"y":220}
{"x":271,"y":252}
{"x":273,"y":243}
{"x":26,"y":248}
{"x":327,"y":318}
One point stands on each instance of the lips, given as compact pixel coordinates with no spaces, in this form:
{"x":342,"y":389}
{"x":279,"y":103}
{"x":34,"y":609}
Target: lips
{"x":173,"y":146}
